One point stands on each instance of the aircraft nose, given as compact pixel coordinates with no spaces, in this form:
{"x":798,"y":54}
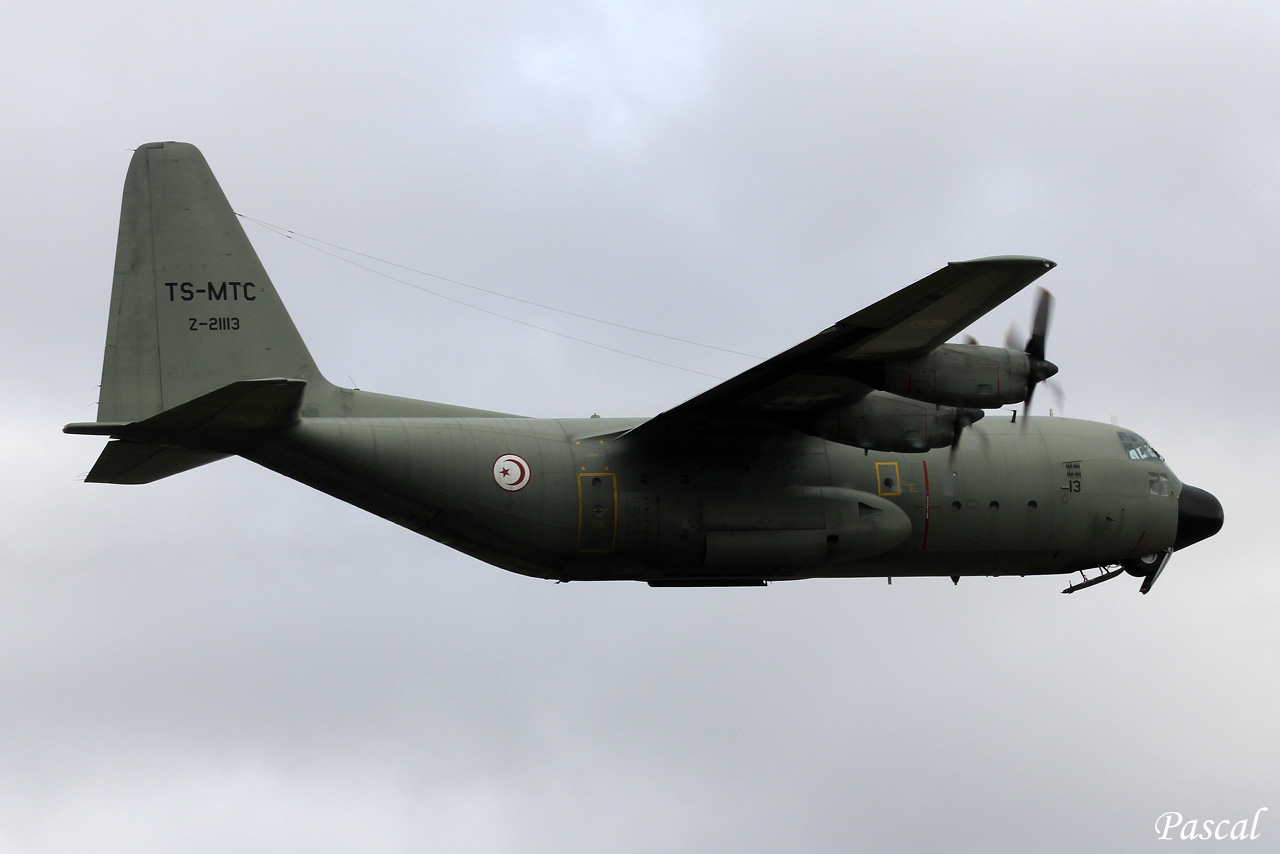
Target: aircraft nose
{"x":1199,"y":516}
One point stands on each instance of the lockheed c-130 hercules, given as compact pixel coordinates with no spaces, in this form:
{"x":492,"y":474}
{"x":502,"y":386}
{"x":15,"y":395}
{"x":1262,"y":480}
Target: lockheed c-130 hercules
{"x":841,"y":457}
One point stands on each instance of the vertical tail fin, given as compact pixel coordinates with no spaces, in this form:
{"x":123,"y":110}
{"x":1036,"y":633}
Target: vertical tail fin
{"x":202,"y":359}
{"x":192,"y":309}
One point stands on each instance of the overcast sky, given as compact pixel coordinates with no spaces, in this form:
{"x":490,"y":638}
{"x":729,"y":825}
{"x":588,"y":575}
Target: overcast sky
{"x":225,"y":660}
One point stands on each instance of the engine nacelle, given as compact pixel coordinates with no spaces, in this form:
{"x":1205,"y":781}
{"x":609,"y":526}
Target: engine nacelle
{"x":886,"y":422}
{"x":961,"y":375}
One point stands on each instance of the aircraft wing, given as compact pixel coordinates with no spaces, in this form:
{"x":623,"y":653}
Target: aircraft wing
{"x":820,"y":372}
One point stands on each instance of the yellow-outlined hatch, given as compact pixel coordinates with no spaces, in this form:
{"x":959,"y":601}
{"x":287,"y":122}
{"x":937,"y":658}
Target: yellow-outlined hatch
{"x":887,"y":480}
{"x":597,"y":511}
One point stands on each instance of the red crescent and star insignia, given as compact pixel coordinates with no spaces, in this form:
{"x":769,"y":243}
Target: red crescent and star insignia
{"x":511,"y":472}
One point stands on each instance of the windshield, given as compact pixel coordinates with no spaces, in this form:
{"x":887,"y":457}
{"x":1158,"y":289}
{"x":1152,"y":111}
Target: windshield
{"x":1137,"y":447}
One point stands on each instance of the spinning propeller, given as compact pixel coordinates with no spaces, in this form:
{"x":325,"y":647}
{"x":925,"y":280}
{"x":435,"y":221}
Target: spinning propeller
{"x":965,"y":416}
{"x":1041,"y":369}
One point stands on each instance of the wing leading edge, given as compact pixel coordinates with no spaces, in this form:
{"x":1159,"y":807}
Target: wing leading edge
{"x":822,"y":372}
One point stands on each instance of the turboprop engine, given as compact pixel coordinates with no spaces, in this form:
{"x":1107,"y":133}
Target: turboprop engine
{"x":971,"y":375}
{"x":962,"y":375}
{"x":884,"y":421}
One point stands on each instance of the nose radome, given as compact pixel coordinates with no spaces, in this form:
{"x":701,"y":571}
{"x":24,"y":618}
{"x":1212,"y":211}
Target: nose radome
{"x":1199,"y":516}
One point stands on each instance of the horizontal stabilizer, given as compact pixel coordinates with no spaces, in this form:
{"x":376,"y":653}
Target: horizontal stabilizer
{"x":212,"y":426}
{"x":270,"y":404}
{"x":140,"y":462}
{"x":245,"y":406}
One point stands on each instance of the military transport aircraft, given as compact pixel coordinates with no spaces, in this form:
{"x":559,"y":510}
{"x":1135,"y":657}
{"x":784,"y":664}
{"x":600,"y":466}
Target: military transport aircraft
{"x":842,"y":456}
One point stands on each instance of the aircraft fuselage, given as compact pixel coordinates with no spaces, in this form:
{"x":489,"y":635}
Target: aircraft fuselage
{"x":566,"y":499}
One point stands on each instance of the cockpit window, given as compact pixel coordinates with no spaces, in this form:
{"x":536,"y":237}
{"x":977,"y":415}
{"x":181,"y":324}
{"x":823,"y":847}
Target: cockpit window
{"x":1137,"y":447}
{"x":1159,"y":482}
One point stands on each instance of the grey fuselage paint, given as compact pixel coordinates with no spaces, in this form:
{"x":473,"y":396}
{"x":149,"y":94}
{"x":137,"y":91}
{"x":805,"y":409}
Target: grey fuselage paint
{"x":1053,"y":496}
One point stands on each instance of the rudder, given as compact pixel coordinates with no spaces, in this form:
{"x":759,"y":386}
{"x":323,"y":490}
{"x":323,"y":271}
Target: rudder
{"x":192,"y":309}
